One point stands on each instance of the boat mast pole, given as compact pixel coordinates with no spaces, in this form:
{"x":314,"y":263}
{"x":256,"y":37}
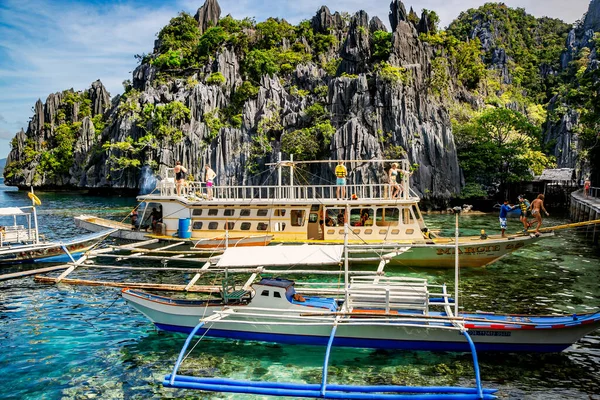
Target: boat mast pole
{"x":291,"y":176}
{"x":346,"y":273}
{"x":457,"y":211}
{"x":279,"y":175}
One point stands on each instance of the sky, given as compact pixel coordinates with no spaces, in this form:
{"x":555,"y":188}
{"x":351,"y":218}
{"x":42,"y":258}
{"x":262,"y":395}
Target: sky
{"x":49,"y":46}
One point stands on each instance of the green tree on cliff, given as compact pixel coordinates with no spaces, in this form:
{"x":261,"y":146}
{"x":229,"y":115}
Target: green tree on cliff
{"x":499,"y":146}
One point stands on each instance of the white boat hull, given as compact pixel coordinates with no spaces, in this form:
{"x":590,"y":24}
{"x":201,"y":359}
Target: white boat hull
{"x":499,"y":333}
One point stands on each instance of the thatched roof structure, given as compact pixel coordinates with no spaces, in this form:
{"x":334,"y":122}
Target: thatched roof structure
{"x":557,"y":175}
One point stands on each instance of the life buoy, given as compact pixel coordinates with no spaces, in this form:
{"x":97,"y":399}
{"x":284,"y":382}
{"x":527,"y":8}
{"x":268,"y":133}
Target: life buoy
{"x":36,"y":201}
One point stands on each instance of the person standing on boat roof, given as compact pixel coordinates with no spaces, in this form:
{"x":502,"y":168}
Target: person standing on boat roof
{"x":340,"y":174}
{"x":394,"y":176}
{"x":504,"y":210}
{"x":209,"y":176}
{"x":537,"y":206}
{"x":180,"y":173}
{"x":524,"y":205}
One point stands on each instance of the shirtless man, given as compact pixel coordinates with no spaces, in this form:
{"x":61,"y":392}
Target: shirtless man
{"x":537,"y":206}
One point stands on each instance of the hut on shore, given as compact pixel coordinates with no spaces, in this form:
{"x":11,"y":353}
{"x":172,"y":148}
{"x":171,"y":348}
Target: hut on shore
{"x":556,"y":184}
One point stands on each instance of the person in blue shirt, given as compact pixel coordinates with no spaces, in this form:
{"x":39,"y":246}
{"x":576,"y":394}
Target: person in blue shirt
{"x":504,"y":210}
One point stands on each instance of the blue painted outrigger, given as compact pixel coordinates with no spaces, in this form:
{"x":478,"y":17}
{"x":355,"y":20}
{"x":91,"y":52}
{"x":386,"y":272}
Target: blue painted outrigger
{"x":324,"y":390}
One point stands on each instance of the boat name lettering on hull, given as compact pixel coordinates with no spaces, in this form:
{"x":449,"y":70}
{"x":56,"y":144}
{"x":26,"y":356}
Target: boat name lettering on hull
{"x":514,"y":246}
{"x":488,"y":333}
{"x":469,"y":250}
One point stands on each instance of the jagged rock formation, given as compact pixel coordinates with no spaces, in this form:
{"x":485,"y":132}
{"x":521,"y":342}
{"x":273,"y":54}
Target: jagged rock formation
{"x":208,"y":15}
{"x":579,"y":61}
{"x":592,"y":17}
{"x":64,"y":119}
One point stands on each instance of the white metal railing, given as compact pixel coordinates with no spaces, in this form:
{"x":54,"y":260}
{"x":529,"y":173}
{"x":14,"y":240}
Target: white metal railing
{"x":199,"y":191}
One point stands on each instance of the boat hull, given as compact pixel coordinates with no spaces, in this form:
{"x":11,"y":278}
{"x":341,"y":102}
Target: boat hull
{"x":477,"y":253}
{"x":496,"y":333}
{"x":122,"y":231}
{"x":49,"y":252}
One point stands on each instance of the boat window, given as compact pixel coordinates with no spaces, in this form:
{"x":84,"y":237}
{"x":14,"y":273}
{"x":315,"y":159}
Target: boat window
{"x":383,"y":231}
{"x":330,"y":231}
{"x":228,"y":212}
{"x":280,"y":212}
{"x":245,"y":226}
{"x":387,"y":216}
{"x":409,"y":231}
{"x":315,"y":207}
{"x":395,"y":231}
{"x":335,"y":217}
{"x":262,"y":212}
{"x":368,"y":231}
{"x":297,"y":217}
{"x":265,"y":293}
{"x":231,"y":225}
{"x":197,"y":225}
{"x":277,"y":295}
{"x":212,"y":225}
{"x":279,"y":226}
{"x":245,"y":212}
{"x":213,"y":211}
{"x":197,"y":211}
{"x":361,"y":217}
{"x":261,"y":226}
{"x":313,"y":217}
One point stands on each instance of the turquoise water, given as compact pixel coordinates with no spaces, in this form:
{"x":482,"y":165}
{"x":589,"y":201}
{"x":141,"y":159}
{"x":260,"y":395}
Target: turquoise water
{"x":75,"y":342}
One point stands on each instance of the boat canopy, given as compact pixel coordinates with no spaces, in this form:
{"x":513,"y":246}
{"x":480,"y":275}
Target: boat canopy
{"x":307,"y":254}
{"x":8,"y":211}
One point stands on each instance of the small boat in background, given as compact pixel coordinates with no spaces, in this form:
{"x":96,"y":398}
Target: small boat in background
{"x":20,"y":241}
{"x":121,"y":230}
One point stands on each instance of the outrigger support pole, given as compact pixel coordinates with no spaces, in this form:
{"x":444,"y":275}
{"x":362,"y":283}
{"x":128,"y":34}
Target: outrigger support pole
{"x":183,"y":350}
{"x":326,"y":361}
{"x":475,"y":364}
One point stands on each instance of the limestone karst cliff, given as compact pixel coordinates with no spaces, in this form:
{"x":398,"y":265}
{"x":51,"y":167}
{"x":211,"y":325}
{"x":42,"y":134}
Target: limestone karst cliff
{"x":235,"y":93}
{"x":370,"y":115}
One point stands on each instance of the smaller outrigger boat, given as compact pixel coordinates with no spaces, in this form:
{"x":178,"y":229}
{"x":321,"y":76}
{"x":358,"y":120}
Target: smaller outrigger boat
{"x":20,"y":241}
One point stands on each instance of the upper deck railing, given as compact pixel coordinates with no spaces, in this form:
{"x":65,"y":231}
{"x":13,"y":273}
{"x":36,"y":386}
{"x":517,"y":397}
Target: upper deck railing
{"x":198,"y":191}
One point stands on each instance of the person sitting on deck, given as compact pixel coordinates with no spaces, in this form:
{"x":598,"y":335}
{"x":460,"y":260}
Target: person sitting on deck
{"x":426,"y":233}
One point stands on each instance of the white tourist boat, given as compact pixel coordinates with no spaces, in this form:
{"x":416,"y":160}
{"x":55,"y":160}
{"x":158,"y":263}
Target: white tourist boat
{"x":371,"y":311}
{"x":294,"y":214}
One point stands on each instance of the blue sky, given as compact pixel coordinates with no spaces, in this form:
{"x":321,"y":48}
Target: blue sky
{"x":49,"y":46}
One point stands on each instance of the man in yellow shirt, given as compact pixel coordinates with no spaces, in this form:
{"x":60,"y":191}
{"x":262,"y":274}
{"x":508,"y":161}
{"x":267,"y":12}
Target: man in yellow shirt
{"x":340,"y":174}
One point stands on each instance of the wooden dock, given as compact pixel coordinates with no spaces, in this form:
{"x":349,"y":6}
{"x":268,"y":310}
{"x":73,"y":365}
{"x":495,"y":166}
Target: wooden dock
{"x":586,"y":209}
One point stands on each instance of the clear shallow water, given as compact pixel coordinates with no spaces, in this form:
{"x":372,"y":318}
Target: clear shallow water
{"x":74,"y":342}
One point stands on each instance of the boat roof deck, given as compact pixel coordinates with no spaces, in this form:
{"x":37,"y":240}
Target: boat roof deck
{"x":193,"y":192}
